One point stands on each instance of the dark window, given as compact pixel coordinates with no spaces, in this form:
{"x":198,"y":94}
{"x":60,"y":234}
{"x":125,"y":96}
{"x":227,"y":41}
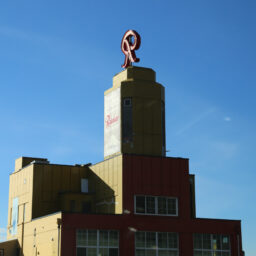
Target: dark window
{"x":156,"y":205}
{"x":211,"y":244}
{"x":150,"y":202}
{"x":80,"y":251}
{"x":225,"y":243}
{"x":127,"y":102}
{"x":140,"y":204}
{"x":156,"y":243}
{"x":172,"y":206}
{"x":206,"y":241}
{"x":162,"y":205}
{"x":162,"y":240}
{"x":216,"y":241}
{"x":86,"y":207}
{"x":113,"y":252}
{"x":97,"y":242}
{"x":127,"y":120}
{"x":150,"y":240}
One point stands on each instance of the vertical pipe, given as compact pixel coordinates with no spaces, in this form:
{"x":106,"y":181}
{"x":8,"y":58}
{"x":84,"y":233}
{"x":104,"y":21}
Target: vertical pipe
{"x":59,"y":226}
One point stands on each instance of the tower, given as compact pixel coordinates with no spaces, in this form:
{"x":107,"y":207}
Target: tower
{"x":134,"y":114}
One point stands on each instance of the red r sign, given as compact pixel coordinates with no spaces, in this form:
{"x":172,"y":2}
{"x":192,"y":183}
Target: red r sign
{"x":128,"y":48}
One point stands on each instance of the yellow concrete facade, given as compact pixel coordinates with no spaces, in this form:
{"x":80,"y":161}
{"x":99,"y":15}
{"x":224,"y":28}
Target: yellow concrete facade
{"x":148,"y":111}
{"x":107,"y":179}
{"x":41,"y":236}
{"x":42,"y":189}
{"x":52,"y":183}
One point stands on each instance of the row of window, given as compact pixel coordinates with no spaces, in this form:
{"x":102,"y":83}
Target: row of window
{"x":97,"y":243}
{"x":156,"y":243}
{"x":156,"y":205}
{"x":211,"y":244}
{"x":106,"y":243}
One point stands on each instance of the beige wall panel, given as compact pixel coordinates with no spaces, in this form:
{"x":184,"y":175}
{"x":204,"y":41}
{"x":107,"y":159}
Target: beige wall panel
{"x":108,"y":185}
{"x":41,"y":236}
{"x":52,"y":180}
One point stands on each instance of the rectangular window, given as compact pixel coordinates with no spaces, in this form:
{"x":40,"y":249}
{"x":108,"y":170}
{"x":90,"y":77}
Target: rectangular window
{"x":211,"y":244}
{"x":156,"y":243}
{"x":97,"y":242}
{"x":151,"y":204}
{"x":162,"y":205}
{"x":156,"y":205}
{"x":86,"y":207}
{"x":140,"y":204}
{"x":127,"y":130}
{"x":84,"y":186}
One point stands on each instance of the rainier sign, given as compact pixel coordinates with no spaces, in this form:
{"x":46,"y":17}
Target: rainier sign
{"x":112,"y":115}
{"x":129,"y":46}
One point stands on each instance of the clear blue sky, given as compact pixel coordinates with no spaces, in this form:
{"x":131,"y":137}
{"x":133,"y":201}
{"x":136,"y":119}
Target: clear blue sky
{"x":58,"y":57}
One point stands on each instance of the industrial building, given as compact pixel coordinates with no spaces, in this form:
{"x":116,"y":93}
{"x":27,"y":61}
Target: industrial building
{"x":136,"y":202}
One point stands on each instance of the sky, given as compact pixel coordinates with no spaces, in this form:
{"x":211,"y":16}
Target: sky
{"x":58,"y":57}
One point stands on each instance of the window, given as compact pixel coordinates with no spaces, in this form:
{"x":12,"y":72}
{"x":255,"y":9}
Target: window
{"x":156,"y":205}
{"x":84,"y":186}
{"x":156,"y":244}
{"x":211,"y":244}
{"x":127,"y":102}
{"x":97,"y":242}
{"x":127,"y":130}
{"x":86,"y":207}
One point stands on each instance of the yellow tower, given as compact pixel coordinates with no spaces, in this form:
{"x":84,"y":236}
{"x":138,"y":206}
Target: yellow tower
{"x":134,"y":114}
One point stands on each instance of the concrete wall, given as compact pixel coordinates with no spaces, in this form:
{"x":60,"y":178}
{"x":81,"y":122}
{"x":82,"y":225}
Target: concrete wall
{"x":106,"y":178}
{"x":41,"y":188}
{"x":51,"y":182}
{"x":41,"y":236}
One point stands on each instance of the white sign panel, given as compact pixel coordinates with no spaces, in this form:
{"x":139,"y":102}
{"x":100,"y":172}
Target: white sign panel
{"x":112,"y":122}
